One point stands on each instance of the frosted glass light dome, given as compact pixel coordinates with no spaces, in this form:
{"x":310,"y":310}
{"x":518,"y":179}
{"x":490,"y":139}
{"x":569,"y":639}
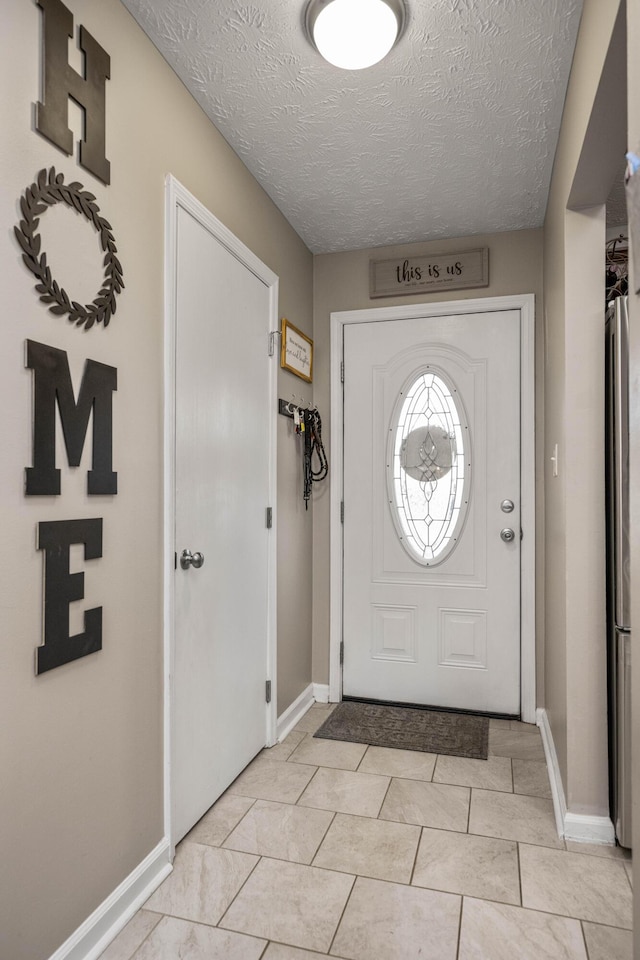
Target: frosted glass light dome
{"x":354,"y":34}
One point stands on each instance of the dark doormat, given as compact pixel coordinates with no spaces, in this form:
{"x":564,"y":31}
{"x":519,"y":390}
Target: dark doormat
{"x":408,"y":728}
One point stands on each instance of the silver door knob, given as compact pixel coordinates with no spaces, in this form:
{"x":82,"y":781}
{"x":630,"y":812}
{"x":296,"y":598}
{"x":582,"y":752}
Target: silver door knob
{"x":507,"y":534}
{"x":507,"y":506}
{"x":189,"y":559}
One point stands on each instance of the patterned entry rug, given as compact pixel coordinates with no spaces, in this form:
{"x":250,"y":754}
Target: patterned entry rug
{"x":408,"y":728}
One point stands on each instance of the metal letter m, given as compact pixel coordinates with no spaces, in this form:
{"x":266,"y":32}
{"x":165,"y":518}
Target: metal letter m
{"x":52,"y":385}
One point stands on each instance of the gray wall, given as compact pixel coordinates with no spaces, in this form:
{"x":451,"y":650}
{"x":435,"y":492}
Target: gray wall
{"x":341,"y":282}
{"x":575,"y":644}
{"x":81,"y":747}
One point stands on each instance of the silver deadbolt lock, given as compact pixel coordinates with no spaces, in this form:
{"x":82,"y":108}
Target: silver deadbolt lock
{"x":507,"y":506}
{"x":189,"y":559}
{"x":507,"y":534}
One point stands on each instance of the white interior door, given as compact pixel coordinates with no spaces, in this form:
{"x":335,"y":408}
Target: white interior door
{"x":431,"y":454}
{"x":224,"y":609}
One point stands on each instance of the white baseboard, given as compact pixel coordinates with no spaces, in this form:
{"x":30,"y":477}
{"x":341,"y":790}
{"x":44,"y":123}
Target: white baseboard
{"x":553,"y":768}
{"x":96,"y":933}
{"x":321,"y":692}
{"x":579,"y":827}
{"x":585,"y":829}
{"x":293,"y":713}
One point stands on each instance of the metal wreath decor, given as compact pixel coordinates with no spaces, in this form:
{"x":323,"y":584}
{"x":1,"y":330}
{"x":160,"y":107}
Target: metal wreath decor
{"x":37,"y":198}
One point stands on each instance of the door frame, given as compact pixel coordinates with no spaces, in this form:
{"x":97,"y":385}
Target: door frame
{"x":525,"y":304}
{"x":178,"y":197}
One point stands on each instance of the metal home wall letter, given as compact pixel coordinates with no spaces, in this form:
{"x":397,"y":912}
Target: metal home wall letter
{"x":53,"y":384}
{"x":61,"y":82}
{"x":62,"y":587}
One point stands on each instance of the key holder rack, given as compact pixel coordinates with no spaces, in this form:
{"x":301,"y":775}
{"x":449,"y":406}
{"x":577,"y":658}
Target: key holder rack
{"x":287,"y":408}
{"x":308,"y":426}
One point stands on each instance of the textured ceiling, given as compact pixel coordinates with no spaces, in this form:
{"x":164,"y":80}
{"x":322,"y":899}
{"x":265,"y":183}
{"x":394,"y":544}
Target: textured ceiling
{"x":452,"y":135}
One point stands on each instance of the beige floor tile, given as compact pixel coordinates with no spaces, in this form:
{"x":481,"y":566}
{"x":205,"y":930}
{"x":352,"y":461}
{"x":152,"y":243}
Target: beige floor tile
{"x":428,"y":804}
{"x":389,"y":921}
{"x":372,"y":848}
{"x":474,"y":866}
{"x":314,"y":718}
{"x":203,"y":883}
{"x":628,"y":865}
{"x":282,"y":751}
{"x":280,"y":830}
{"x":588,"y":888}
{"x":217,"y":823}
{"x":272,"y":780}
{"x":293,"y":904}
{"x":494,"y":773}
{"x":494,"y":931}
{"x":531,"y":777}
{"x":513,"y":817}
{"x":499,"y":724}
{"x":329,"y":753}
{"x":345,"y":792}
{"x":129,"y":939}
{"x":173,"y":939}
{"x":608,"y":943}
{"x":408,"y":764}
{"x":522,"y":744}
{"x":522,"y":727}
{"x":607,"y":850}
{"x":278,"y":951}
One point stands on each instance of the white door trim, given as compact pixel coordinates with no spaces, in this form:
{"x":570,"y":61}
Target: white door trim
{"x":525,"y":304}
{"x":177,"y":196}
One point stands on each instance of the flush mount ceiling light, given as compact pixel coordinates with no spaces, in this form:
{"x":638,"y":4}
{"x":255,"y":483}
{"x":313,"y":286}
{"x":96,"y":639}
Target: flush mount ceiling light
{"x":354,"y":34}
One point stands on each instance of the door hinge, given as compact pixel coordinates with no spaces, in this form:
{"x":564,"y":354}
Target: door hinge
{"x":341,"y":652}
{"x":268,"y":691}
{"x":272,"y":341}
{"x":342,"y":511}
{"x":269,"y":517}
{"x":175,"y":561}
{"x":342,"y":371}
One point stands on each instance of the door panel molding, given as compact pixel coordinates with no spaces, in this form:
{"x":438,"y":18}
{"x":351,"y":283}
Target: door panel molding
{"x":177,"y":197}
{"x":525,"y":305}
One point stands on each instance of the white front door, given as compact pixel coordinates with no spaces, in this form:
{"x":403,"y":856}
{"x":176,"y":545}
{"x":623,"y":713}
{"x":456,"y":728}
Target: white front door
{"x":224,"y":403}
{"x":431,"y":555}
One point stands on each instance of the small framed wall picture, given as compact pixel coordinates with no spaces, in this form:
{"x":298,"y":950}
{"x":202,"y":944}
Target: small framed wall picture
{"x":296,"y":352}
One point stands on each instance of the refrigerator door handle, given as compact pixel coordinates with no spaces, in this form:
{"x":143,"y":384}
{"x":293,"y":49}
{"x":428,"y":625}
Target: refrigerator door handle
{"x":621,"y":454}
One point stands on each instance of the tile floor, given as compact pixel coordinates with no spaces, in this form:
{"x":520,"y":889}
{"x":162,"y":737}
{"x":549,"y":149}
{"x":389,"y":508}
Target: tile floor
{"x":329,"y":849}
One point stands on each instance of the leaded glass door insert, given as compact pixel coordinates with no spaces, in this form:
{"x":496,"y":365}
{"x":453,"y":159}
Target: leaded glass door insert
{"x":428,"y":467}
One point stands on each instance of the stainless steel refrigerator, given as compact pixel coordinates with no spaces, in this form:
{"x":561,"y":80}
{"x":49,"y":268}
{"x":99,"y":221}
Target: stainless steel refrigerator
{"x":618,"y":600}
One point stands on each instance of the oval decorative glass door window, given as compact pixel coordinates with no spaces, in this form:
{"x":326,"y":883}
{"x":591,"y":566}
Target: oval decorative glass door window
{"x":428,"y":467}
